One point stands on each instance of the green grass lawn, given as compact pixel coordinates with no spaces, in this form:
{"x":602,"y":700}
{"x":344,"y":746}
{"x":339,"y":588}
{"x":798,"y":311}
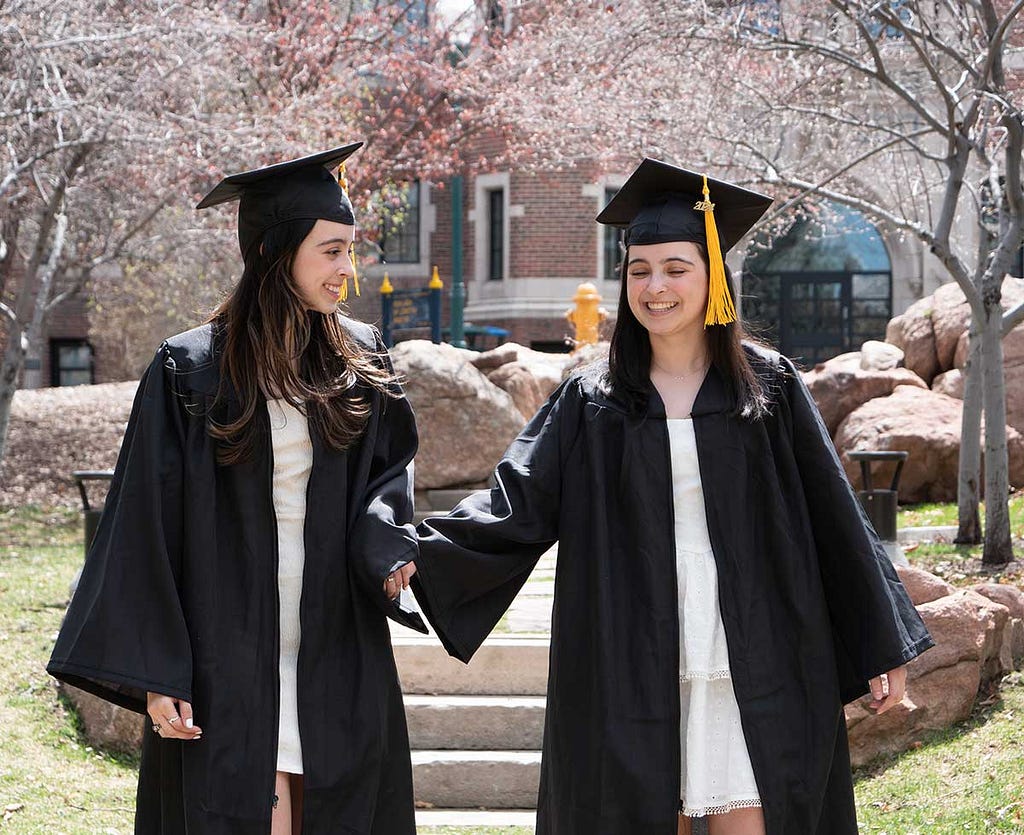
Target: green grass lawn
{"x":966,"y":779}
{"x":961,"y":564}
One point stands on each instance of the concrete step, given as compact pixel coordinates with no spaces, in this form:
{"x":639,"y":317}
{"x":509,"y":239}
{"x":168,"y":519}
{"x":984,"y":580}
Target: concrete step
{"x":475,"y":723}
{"x":508,"y":665}
{"x":476,"y":779}
{"x":472,"y":821}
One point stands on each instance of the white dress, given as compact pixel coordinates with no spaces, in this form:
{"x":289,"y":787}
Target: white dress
{"x":293,"y":459}
{"x":716,"y":772}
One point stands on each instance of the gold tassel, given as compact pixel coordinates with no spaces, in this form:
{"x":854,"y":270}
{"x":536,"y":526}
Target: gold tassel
{"x":343,"y":292}
{"x":721,"y":309}
{"x":355,"y":269}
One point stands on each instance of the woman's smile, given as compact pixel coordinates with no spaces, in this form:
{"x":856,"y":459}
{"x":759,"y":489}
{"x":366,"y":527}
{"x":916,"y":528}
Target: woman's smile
{"x":660,"y":308}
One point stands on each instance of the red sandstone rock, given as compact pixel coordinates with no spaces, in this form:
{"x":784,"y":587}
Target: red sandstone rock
{"x":524,"y":388}
{"x":925,"y":424}
{"x":921,"y":585}
{"x":458,"y":410}
{"x":950,"y":383}
{"x":913,"y":333}
{"x":942,"y":683}
{"x":840,"y":385}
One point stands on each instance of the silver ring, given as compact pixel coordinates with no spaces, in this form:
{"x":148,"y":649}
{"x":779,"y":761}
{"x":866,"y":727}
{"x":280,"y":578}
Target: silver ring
{"x":172,"y":720}
{"x":156,"y":729}
{"x":391,"y":579}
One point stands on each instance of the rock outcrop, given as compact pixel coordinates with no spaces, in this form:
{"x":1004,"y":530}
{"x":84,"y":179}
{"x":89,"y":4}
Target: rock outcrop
{"x":925,"y":424}
{"x":465,"y":422}
{"x":842,"y":385}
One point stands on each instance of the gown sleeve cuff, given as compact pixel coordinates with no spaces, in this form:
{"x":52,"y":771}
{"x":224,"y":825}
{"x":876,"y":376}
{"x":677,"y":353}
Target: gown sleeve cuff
{"x":123,"y":690}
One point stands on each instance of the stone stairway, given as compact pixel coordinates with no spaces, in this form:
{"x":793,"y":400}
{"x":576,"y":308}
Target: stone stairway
{"x":476,"y":730}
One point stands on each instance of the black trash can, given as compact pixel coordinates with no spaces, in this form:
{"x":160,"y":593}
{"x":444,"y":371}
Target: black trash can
{"x":880,"y":504}
{"x":91,"y":512}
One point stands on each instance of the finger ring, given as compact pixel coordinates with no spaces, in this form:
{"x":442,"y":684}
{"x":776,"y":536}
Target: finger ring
{"x":156,"y":729}
{"x":172,"y":720}
{"x":391,"y":579}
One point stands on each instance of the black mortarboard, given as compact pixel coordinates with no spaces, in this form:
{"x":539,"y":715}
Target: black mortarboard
{"x":660,"y":203}
{"x":299,"y":189}
{"x":657,"y":205}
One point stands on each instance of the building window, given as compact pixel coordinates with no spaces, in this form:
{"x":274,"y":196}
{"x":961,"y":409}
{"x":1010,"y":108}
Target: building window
{"x":400,"y":231}
{"x":496,"y":234}
{"x":70,"y":362}
{"x":613,"y":240}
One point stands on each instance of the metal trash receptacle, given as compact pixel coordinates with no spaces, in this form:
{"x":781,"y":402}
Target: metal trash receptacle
{"x":91,"y":512}
{"x":881,"y":504}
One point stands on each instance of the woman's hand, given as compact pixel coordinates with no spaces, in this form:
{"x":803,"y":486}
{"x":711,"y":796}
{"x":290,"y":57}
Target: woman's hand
{"x":172,"y":718}
{"x":887,"y":690}
{"x":398,"y":580}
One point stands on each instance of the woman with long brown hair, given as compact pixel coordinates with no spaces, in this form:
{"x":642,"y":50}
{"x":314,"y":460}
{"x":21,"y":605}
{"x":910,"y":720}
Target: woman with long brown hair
{"x":255,"y":538}
{"x":719,"y":594}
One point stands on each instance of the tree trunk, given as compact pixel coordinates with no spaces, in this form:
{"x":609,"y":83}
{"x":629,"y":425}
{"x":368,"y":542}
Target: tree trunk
{"x":14,"y":355}
{"x":998,"y":549}
{"x":969,"y":473}
{"x":33,"y":378}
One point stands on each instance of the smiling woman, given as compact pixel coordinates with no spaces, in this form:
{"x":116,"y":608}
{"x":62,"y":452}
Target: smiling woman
{"x":719,"y":592}
{"x":261,"y":500}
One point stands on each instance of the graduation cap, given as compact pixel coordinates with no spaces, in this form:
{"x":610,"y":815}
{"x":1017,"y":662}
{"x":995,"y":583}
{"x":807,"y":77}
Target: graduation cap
{"x":660,"y":203}
{"x":299,"y":189}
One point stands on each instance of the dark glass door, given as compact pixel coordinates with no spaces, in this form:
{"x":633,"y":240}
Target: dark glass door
{"x":815,"y":316}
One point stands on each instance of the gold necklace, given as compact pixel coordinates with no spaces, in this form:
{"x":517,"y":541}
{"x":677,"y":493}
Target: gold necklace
{"x":686,"y":376}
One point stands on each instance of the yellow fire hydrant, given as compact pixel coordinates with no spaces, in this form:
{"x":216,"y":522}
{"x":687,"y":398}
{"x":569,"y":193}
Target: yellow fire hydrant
{"x":586,"y":317}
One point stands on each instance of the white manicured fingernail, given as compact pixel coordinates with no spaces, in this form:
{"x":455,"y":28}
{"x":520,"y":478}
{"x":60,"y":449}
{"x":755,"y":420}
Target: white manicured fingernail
{"x":188,"y":723}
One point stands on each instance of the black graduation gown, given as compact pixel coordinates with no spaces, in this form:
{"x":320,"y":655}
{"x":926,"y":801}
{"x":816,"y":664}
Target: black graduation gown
{"x":811,"y":605}
{"x":179,"y":596}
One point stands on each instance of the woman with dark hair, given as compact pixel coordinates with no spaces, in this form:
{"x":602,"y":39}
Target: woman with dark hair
{"x":719,"y":594}
{"x":255,"y":538}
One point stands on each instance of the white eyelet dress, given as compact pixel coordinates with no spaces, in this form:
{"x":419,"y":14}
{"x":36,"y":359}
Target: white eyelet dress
{"x":293,"y":459}
{"x":716,"y":774}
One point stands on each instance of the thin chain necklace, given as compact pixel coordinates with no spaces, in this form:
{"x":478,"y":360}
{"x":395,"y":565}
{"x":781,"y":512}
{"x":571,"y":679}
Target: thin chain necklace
{"x":686,"y":376}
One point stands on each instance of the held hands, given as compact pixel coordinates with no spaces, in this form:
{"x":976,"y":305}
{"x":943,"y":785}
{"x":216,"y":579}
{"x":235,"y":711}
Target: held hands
{"x":398,"y":580}
{"x":172,"y":718}
{"x":887,"y":690}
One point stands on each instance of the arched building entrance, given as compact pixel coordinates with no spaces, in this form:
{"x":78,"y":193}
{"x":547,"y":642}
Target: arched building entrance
{"x":820,"y":289}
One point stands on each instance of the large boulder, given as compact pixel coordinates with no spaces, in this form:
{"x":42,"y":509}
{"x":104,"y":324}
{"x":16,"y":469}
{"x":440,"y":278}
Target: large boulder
{"x":942,"y":683}
{"x":950,"y":383}
{"x":841,"y":385}
{"x":950,"y":317}
{"x":922,"y":586}
{"x":1013,"y":373}
{"x":927,"y":426}
{"x":1012,"y":652}
{"x":545,"y":367}
{"x":465,"y":422}
{"x":879,"y":356}
{"x":525,"y":390}
{"x":106,"y":725}
{"x":913,"y":333}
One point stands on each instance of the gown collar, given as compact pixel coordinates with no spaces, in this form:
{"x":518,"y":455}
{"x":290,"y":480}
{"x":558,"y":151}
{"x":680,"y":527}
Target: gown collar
{"x":713,"y":397}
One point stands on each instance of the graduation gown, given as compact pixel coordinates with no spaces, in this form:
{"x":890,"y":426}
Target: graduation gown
{"x":811,"y":605}
{"x":179,"y":596}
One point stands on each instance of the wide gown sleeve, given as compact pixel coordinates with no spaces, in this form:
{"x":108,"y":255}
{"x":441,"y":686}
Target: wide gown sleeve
{"x":124,"y":632}
{"x":876,"y":627}
{"x":382,"y":538}
{"x":474,"y":561}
